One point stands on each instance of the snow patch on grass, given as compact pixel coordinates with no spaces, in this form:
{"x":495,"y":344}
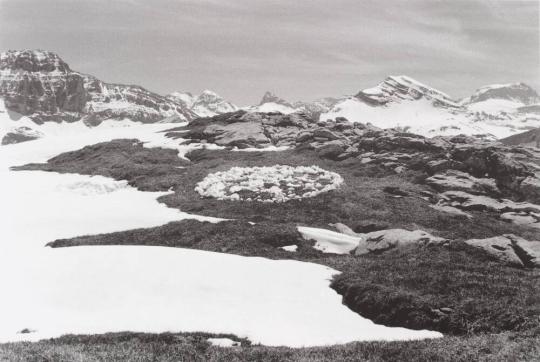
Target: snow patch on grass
{"x":223,"y":342}
{"x":291,"y":248}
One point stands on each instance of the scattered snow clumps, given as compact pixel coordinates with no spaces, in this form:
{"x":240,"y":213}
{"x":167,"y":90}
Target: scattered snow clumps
{"x":277,"y":183}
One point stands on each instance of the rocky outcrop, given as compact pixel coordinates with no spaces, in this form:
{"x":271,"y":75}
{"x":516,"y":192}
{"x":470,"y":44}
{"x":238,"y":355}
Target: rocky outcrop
{"x":39,"y":84}
{"x":462,"y":181}
{"x":345,"y":240}
{"x":483,"y":199}
{"x":510,"y":249}
{"x":530,"y":219}
{"x":246,"y":129}
{"x":20,"y":134}
{"x":392,"y":140}
{"x":380,"y":241}
{"x":384,"y":240}
{"x":466,"y":201}
{"x":491,"y":160}
{"x":530,"y":187}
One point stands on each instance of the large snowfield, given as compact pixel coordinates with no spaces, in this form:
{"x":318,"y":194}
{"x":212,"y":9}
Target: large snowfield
{"x":97,"y":289}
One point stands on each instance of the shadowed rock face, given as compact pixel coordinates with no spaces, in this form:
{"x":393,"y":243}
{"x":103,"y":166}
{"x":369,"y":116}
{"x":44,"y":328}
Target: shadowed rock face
{"x":33,"y":81}
{"x":41,"y":85}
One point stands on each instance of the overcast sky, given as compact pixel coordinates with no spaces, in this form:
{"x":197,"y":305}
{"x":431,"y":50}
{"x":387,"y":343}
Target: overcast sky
{"x":301,"y":50}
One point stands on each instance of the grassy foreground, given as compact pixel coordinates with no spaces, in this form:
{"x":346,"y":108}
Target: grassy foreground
{"x":194,"y":347}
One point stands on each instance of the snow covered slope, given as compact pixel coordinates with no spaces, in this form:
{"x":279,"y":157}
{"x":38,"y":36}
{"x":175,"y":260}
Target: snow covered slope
{"x":183,"y":97}
{"x":400,"y":101}
{"x":209,"y":104}
{"x":40,"y":85}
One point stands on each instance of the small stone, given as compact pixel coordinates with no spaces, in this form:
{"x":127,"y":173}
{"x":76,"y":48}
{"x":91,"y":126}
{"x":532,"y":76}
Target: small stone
{"x":399,"y":169}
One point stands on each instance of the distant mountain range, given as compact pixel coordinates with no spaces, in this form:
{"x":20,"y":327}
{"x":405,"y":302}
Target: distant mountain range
{"x":401,"y":102}
{"x":40,"y":85}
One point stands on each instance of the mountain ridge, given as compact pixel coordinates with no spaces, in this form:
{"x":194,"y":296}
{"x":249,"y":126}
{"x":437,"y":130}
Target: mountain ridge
{"x":402,"y":102}
{"x":42,"y":86}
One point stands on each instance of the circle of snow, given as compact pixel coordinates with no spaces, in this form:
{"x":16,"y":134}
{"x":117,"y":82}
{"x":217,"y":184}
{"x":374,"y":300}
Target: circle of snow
{"x":277,"y":183}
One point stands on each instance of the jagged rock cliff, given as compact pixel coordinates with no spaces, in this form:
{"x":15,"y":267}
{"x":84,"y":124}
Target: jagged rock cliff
{"x":39,"y":84}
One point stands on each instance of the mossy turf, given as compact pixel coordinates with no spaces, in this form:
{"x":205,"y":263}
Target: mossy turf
{"x":453,"y":289}
{"x":155,"y":169}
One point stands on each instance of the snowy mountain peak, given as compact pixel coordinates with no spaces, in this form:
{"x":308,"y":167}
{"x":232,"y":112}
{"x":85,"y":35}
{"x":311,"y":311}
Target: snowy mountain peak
{"x":209,"y":104}
{"x":514,"y":92}
{"x":209,"y":93}
{"x":395,"y":89}
{"x":206,"y":104}
{"x":181,"y":94}
{"x":183,"y":97}
{"x":400,"y":101}
{"x":209,"y":96}
{"x":32,"y":61}
{"x":270,"y":97}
